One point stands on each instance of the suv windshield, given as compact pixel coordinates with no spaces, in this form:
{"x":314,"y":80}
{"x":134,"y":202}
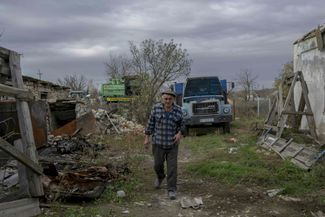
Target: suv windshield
{"x":202,"y":87}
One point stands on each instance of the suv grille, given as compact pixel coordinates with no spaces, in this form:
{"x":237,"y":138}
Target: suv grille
{"x":204,"y":108}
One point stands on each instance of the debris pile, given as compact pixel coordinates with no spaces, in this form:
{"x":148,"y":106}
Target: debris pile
{"x":66,"y":175}
{"x":84,"y":184}
{"x":8,"y":176}
{"x":113,"y":123}
{"x":67,"y":145}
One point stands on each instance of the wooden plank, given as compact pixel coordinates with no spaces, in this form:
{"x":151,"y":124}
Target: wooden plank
{"x":308,"y":155}
{"x":274,"y":128}
{"x":25,"y":125}
{"x":299,"y":164}
{"x":298,"y":151}
{"x":269,"y":140}
{"x":15,"y":92}
{"x":286,"y":145}
{"x":22,"y":170}
{"x":310,"y":119}
{"x":292,"y":149}
{"x":301,"y":108}
{"x":8,"y":148}
{"x":284,"y":117}
{"x":280,"y":99}
{"x":27,"y":207}
{"x":297,"y":113}
{"x":279,"y":144}
{"x":273,"y":110}
{"x":292,"y":108}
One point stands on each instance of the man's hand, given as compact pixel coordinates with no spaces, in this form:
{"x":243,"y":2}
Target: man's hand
{"x":146,"y":142}
{"x":177,"y":137}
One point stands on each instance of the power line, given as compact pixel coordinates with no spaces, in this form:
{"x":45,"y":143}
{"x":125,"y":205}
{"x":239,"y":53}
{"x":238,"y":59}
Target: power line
{"x":39,"y":74}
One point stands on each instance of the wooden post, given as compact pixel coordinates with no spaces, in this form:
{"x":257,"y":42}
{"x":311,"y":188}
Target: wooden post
{"x":301,"y":108}
{"x":310,"y":118}
{"x":25,"y":125}
{"x":289,"y":108}
{"x":22,"y":170}
{"x":284,"y":117}
{"x":273,"y":111}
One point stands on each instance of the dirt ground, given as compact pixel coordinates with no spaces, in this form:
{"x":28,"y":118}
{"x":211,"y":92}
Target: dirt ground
{"x":218,"y":200}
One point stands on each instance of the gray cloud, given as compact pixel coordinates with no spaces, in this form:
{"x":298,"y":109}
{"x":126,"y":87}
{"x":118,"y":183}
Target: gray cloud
{"x":76,"y":36}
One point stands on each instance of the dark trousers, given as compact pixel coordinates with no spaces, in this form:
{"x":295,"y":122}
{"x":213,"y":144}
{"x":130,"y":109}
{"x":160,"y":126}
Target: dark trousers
{"x":170,"y":156}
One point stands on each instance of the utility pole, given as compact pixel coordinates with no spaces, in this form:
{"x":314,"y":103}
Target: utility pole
{"x":39,"y":74}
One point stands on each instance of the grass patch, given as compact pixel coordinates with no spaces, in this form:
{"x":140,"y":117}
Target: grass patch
{"x":78,"y":211}
{"x":249,"y":165}
{"x":129,"y":186}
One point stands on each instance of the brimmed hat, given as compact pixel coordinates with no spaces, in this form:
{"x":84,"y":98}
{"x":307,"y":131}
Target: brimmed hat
{"x":169,"y":92}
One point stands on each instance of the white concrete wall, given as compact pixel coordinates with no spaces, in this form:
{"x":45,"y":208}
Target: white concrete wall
{"x":311,"y":61}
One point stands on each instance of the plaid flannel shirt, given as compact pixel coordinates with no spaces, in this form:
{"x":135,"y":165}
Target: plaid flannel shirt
{"x":163,"y":126}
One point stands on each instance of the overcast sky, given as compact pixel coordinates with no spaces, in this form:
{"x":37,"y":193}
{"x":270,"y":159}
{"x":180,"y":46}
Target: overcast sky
{"x":61,"y":37}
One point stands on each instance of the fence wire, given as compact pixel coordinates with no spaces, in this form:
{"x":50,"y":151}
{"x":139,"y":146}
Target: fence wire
{"x":258,"y":108}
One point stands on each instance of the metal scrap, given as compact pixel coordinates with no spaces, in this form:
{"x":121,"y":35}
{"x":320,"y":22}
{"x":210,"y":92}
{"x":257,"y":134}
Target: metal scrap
{"x":67,"y":177}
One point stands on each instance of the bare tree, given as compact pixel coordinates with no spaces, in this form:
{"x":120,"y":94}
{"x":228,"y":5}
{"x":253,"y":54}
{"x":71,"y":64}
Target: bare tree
{"x":74,"y":81}
{"x":157,"y":62}
{"x":91,"y":89}
{"x":118,"y":66}
{"x":247,"y":82}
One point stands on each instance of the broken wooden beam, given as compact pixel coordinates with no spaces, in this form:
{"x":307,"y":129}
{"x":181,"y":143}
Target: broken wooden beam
{"x":297,"y":113}
{"x":25,"y":125}
{"x":15,"y":92}
{"x":20,"y":156}
{"x":23,"y":208}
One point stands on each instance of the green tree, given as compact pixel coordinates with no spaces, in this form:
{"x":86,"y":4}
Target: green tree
{"x":157,"y":63}
{"x":154,"y":64}
{"x":286,"y":72}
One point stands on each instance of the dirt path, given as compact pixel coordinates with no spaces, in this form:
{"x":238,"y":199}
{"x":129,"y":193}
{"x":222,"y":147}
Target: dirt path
{"x":219,"y":200}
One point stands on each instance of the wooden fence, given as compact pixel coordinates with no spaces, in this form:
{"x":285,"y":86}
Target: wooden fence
{"x":24,"y":151}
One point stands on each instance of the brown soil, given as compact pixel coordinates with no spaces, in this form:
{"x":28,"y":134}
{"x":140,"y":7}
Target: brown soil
{"x":219,"y":200}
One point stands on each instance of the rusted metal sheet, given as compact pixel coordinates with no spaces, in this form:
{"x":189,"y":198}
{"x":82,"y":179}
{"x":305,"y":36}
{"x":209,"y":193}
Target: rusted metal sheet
{"x":88,"y":124}
{"x":10,"y":129}
{"x":39,"y":112}
{"x":67,"y":129}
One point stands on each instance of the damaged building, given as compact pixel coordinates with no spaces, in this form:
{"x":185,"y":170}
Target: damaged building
{"x":309,"y":58}
{"x":42,"y":141}
{"x":45,"y":97}
{"x":302,"y":109}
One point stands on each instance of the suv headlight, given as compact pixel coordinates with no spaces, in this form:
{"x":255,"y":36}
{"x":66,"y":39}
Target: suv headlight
{"x":226,"y":110}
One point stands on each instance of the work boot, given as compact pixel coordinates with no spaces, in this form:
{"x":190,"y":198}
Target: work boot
{"x":172,"y":195}
{"x":158,"y":182}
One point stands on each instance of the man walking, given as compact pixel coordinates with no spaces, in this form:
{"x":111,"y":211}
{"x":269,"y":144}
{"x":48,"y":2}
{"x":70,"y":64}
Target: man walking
{"x":165,"y":125}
